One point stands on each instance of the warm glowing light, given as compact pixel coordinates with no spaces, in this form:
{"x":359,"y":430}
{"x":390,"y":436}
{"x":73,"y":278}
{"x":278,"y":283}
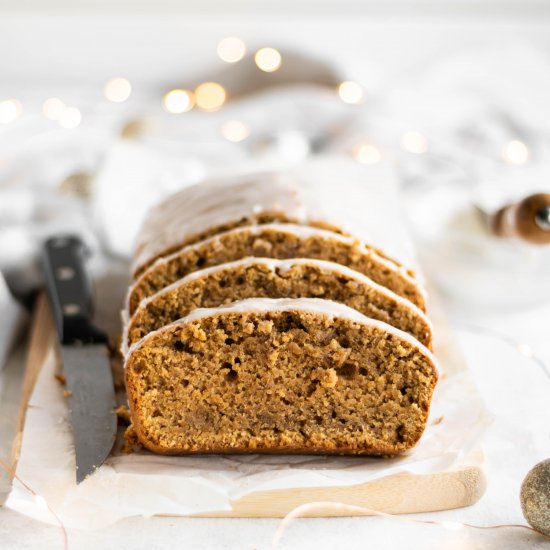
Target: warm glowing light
{"x":53,"y":108}
{"x":351,"y":92}
{"x":268,"y":59}
{"x":210,"y":96}
{"x":525,"y":350}
{"x":367,"y":153}
{"x":10,"y":109}
{"x":179,"y":101}
{"x":235,"y":130}
{"x":70,"y":118}
{"x":414,"y":142}
{"x":515,"y":152}
{"x":117,"y":90}
{"x":231,"y":49}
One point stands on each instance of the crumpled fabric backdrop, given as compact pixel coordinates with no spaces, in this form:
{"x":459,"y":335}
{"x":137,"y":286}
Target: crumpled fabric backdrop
{"x":467,"y":107}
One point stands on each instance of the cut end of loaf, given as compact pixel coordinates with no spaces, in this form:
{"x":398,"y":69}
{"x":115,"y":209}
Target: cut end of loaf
{"x":280,"y":380}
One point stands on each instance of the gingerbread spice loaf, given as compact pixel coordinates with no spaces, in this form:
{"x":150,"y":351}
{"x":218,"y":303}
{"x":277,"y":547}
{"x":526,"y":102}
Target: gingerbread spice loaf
{"x":292,"y":376}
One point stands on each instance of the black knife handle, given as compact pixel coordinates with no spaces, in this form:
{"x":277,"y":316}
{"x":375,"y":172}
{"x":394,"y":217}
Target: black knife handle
{"x":70,"y":290}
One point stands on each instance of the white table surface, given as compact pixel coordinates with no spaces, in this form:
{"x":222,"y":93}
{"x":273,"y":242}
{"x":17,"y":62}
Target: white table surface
{"x":513,"y":444}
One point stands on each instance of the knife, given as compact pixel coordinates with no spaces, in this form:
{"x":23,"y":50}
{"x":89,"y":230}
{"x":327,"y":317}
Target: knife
{"x":84,"y":353}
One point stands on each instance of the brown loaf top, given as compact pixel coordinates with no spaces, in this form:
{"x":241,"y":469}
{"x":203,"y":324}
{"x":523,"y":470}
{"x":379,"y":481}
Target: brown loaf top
{"x":332,"y":194}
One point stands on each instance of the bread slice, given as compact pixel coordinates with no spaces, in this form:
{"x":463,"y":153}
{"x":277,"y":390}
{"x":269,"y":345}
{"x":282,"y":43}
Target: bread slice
{"x":288,"y":376}
{"x":270,"y":278}
{"x":353,"y":204}
{"x":276,"y":241}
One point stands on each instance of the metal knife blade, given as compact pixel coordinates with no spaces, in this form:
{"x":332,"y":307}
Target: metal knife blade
{"x":84,"y":354}
{"x":91,"y":403}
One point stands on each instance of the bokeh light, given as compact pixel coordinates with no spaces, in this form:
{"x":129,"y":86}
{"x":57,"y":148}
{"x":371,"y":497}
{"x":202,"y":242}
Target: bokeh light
{"x":367,"y":153}
{"x":179,"y":101}
{"x":351,"y":92}
{"x":515,"y":152}
{"x":10,"y":109}
{"x":210,"y":96}
{"x":117,"y":90}
{"x":268,"y":59}
{"x":231,"y":49}
{"x":235,"y":130}
{"x":70,"y":118}
{"x":53,"y":108}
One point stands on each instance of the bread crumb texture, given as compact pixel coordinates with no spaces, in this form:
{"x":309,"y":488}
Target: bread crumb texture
{"x":238,"y":282}
{"x":271,"y":242}
{"x":278,"y":381}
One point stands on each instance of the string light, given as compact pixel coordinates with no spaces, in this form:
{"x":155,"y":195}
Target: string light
{"x":70,"y":118}
{"x":367,"y":153}
{"x":351,"y":92}
{"x":210,"y":96}
{"x":452,"y":525}
{"x":268,"y":59}
{"x":39,"y":499}
{"x":53,"y":108}
{"x":179,"y":101}
{"x":231,"y":49}
{"x":235,"y":130}
{"x":117,"y":90}
{"x":414,"y":142}
{"x":525,"y":350}
{"x":515,"y":152}
{"x":340,"y":508}
{"x":10,"y":109}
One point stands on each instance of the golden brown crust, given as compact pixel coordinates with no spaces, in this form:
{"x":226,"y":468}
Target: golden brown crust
{"x":385,"y":451}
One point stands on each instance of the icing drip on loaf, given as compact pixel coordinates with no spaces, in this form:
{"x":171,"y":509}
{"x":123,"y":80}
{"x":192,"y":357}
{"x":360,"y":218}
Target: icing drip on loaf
{"x":360,"y":201}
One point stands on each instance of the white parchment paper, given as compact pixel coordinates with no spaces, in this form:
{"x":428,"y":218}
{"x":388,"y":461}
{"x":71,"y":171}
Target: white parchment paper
{"x":146,"y":484}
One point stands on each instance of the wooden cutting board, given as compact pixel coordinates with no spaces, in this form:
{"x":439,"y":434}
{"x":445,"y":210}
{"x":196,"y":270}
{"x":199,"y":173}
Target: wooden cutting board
{"x":402,"y":493}
{"x":394,"y":494}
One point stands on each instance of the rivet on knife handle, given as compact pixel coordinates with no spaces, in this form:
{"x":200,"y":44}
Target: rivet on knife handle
{"x":70,"y":290}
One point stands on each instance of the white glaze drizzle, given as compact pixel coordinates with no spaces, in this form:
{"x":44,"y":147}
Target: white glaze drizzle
{"x":312,"y":305}
{"x":301,"y":231}
{"x":283,"y":266}
{"x":360,"y":200}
